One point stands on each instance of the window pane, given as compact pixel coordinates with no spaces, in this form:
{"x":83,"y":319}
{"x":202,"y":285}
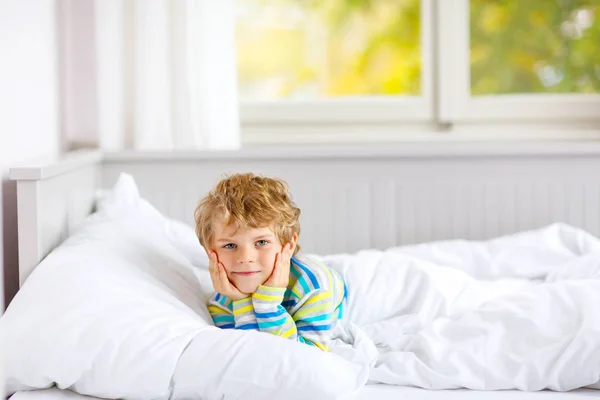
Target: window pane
{"x":535,"y":46}
{"x":314,"y":49}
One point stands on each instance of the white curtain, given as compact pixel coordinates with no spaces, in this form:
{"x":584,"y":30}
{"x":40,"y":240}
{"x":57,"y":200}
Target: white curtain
{"x":165,"y":74}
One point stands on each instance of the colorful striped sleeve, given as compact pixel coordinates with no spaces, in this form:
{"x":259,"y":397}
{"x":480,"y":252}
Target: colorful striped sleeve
{"x":227,"y":314}
{"x":322,"y":302}
{"x":320,"y":292}
{"x":271,"y":316}
{"x":311,"y":324}
{"x":316,"y":318}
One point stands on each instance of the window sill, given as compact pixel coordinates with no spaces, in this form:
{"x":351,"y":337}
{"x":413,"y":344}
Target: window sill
{"x":406,"y":150}
{"x":419,"y":133}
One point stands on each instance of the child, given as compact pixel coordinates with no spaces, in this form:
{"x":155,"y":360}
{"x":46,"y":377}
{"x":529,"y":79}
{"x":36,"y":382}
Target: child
{"x":249,"y":227}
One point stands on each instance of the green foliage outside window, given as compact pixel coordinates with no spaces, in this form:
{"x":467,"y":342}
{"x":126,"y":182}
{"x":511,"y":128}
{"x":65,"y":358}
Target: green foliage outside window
{"x":326,"y":48}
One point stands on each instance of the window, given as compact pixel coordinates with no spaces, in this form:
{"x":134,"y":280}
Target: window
{"x":534,"y":46}
{"x":417,"y":65}
{"x":315,"y":49}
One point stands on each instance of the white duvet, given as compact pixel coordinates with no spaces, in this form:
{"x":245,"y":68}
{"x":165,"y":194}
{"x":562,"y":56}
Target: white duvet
{"x":118,"y":311}
{"x":519,"y":312}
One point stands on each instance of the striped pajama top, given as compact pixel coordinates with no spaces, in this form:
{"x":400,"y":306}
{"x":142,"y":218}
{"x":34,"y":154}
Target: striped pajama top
{"x":305,"y":311}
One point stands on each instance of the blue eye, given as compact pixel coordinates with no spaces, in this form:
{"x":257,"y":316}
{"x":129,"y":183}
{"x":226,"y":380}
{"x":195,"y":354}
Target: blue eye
{"x":262,"y":243}
{"x":229,"y":246}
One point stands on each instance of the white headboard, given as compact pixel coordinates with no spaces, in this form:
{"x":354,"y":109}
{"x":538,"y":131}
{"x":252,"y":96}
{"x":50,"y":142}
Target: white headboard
{"x":351,"y":199}
{"x":53,"y":196}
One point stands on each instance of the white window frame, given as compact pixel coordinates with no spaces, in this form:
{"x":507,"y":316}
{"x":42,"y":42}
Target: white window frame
{"x":359,"y":109}
{"x":445,"y":110}
{"x":457,"y":104}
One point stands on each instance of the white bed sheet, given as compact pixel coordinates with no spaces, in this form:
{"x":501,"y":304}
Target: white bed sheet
{"x":49,"y":394}
{"x":389,"y":392}
{"x":380,"y":392}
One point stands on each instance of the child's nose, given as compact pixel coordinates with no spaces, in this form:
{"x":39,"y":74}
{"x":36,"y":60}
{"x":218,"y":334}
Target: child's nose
{"x":246,"y":255}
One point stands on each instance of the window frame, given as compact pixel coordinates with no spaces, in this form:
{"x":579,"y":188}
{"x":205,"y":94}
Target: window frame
{"x":444,"y":106}
{"x":361,"y":109}
{"x":461,"y":107}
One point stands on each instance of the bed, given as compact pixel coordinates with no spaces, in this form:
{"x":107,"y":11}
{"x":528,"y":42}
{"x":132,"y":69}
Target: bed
{"x":351,"y":200}
{"x":382,"y":392}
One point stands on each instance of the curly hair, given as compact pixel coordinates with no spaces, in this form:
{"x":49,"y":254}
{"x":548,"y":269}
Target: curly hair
{"x":249,"y":201}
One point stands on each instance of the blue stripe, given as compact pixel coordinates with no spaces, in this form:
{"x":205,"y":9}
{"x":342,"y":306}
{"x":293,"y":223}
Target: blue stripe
{"x":227,"y":326}
{"x":311,"y":276}
{"x":314,"y":327}
{"x":248,"y":327}
{"x":301,"y":280}
{"x":222,"y":318}
{"x":271,"y":324}
{"x":269,"y":314}
{"x":322,"y":317}
{"x":302,"y":340}
{"x":218,"y":296}
{"x":289,"y":294}
{"x":288,"y":303}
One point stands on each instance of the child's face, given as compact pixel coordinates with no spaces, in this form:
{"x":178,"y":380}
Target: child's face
{"x":248,"y":254}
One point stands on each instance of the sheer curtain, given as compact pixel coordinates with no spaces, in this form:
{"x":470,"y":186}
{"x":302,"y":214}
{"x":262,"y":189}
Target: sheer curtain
{"x":163,"y":74}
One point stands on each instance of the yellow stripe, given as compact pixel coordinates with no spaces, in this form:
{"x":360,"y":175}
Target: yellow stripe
{"x":315,"y":343}
{"x":241,"y":310}
{"x":318,"y":297}
{"x":289,"y":332}
{"x":330,"y":278}
{"x":272,"y":289}
{"x":310,"y":310}
{"x":321,"y":346}
{"x":217,"y":310}
{"x":266,"y":297}
{"x":296,"y":292}
{"x":247,"y":300}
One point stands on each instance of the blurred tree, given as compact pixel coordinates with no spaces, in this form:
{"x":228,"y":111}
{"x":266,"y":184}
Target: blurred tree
{"x":317,"y":48}
{"x":535,"y":46}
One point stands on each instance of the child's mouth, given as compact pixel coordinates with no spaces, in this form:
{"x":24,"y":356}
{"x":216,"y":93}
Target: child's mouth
{"x":249,"y":273}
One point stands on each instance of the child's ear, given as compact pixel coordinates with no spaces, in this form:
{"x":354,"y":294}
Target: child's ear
{"x":293,"y":241}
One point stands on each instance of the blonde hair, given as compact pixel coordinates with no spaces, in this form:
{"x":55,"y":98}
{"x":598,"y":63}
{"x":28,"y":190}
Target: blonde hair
{"x":250,"y":201}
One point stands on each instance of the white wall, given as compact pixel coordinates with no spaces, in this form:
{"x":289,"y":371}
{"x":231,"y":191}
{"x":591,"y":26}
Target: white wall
{"x":29,"y":112}
{"x":29,"y":107}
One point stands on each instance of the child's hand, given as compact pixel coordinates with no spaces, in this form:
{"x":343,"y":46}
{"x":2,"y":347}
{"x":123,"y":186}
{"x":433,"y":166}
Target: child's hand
{"x":280,"y":277}
{"x":220,"y":281}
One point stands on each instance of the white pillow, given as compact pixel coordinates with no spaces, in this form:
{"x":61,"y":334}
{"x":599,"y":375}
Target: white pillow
{"x":237,"y":364}
{"x":111,"y":310}
{"x":107,"y":313}
{"x":125,"y":197}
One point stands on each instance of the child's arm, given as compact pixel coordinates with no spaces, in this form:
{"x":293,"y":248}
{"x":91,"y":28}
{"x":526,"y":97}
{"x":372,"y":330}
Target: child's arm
{"x":236,"y":314}
{"x":311,"y":324}
{"x":313,"y":321}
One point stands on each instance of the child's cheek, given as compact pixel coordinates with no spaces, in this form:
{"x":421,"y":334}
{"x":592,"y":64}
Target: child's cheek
{"x":268,"y":265}
{"x":223,"y":259}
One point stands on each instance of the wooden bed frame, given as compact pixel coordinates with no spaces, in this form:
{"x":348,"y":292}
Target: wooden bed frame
{"x":351,"y":198}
